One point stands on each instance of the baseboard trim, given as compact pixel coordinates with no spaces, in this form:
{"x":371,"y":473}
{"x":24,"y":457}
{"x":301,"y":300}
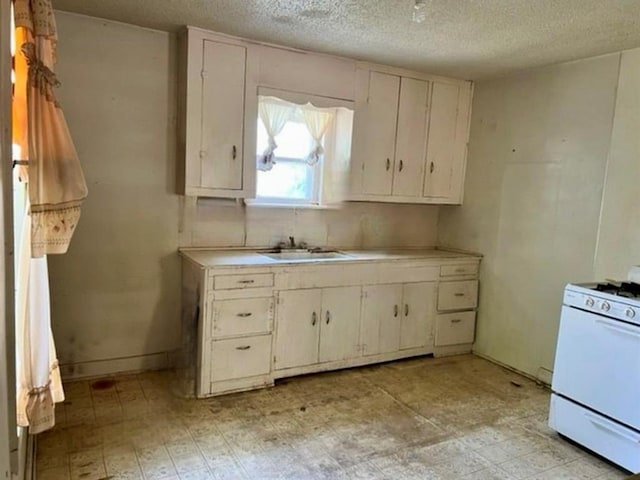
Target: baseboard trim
{"x":111,"y":366}
{"x":546,"y":380}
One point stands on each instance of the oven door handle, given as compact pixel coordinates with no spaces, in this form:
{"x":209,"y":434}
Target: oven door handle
{"x":634,"y":332}
{"x":611,"y":429}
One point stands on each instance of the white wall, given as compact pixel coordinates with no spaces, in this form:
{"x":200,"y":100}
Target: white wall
{"x":619,"y":236}
{"x":210,"y":222}
{"x":115,"y":295}
{"x":537,"y":157}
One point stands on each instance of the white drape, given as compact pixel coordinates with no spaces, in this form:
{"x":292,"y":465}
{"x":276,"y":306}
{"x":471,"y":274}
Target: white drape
{"x":317,"y":121}
{"x":274,"y":114}
{"x":39,"y":382}
{"x":337,"y":159}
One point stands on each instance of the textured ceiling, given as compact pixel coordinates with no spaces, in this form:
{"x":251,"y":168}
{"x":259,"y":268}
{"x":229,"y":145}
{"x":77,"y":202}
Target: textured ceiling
{"x":462,"y":38}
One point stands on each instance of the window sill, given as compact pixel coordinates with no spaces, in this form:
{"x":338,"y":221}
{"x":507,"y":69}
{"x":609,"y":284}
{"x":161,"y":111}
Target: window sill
{"x":292,"y":206}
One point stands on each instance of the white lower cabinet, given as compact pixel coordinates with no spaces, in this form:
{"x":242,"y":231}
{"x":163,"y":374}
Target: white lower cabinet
{"x":316,"y":326}
{"x":340,"y":325}
{"x":397,"y":317}
{"x":240,"y":357}
{"x":455,"y":328}
{"x":297,"y":328}
{"x":260,"y":323}
{"x":418,"y":314}
{"x":380,"y":327}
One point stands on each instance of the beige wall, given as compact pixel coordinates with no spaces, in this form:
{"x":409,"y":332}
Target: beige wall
{"x":210,"y":222}
{"x":537,"y":158}
{"x":115,"y":295}
{"x":619,"y":238}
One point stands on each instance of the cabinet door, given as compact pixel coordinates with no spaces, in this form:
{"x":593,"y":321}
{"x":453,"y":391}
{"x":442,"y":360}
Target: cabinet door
{"x":380,"y":325}
{"x":223,"y":83}
{"x":441,"y":142}
{"x":411,"y":138}
{"x":380,"y":119}
{"x":340,"y":323}
{"x":418,"y":315}
{"x":297,"y":328}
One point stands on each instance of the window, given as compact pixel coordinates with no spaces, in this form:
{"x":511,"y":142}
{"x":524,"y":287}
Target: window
{"x":290,"y":178}
{"x":302,"y":150}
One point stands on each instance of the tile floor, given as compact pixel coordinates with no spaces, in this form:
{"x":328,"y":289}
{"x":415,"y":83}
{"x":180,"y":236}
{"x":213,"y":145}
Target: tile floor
{"x":453,"y":418}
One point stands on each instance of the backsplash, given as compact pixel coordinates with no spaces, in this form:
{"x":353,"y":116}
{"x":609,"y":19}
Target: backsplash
{"x":222,"y":223}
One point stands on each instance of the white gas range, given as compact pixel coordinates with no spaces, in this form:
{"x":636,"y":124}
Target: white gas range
{"x":596,"y":377}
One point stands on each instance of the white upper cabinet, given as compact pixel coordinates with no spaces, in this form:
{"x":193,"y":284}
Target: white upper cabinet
{"x":216,"y":75}
{"x":410,"y":129}
{"x":379,"y":117}
{"x":223,"y":78}
{"x":410,"y":137}
{"x":446,"y":143}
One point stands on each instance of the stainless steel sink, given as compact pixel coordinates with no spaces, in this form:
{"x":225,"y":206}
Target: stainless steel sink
{"x":306,"y":255}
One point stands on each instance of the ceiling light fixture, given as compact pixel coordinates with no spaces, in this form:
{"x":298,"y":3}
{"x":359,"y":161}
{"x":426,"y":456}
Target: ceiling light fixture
{"x":420,"y":11}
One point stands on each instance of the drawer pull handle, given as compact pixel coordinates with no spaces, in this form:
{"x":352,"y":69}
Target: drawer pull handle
{"x":234,"y":152}
{"x":246,"y":282}
{"x":458,"y":294}
{"x":245,"y":314}
{"x":244,"y":347}
{"x":314,"y":318}
{"x":610,"y":428}
{"x":456,"y":320}
{"x":328,"y":317}
{"x":459,"y":270}
{"x":406,"y":309}
{"x":401,"y":166}
{"x":388,"y":164}
{"x":395,"y":310}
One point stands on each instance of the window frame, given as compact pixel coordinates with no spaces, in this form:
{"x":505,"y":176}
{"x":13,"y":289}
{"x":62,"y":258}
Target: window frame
{"x":329,"y":142}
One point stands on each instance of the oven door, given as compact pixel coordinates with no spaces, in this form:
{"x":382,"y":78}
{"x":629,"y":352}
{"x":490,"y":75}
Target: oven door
{"x":598,"y":364}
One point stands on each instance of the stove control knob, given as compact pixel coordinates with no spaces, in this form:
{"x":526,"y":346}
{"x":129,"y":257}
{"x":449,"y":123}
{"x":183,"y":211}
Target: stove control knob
{"x":630,"y":312}
{"x":605,"y":307}
{"x":589,"y":302}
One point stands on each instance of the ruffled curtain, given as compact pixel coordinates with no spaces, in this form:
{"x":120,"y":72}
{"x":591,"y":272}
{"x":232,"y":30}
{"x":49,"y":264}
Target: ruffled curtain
{"x":57,"y":186}
{"x":274,"y":114}
{"x":38,"y":374}
{"x":56,"y":189}
{"x":317,"y":121}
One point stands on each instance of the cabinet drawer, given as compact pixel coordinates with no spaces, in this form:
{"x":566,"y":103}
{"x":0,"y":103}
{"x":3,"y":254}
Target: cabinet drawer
{"x":242,"y":316}
{"x":254,"y":280}
{"x":240,"y":357}
{"x":455,"y":328}
{"x":457,"y":295}
{"x":453,"y":270}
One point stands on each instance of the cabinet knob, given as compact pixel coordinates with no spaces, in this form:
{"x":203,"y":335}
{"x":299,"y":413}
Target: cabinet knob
{"x":395,"y":310}
{"x":406,"y":309}
{"x":456,"y":320}
{"x":431,"y":167}
{"x":401,"y":166}
{"x":244,"y":347}
{"x":245,"y":314}
{"x":328,"y":315}
{"x":458,"y":294}
{"x":234,"y":152}
{"x":314,"y":318}
{"x":388,"y":164}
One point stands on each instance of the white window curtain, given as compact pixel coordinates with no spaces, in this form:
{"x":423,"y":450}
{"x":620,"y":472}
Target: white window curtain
{"x":274,"y":114}
{"x":337,"y":162}
{"x":39,"y":382}
{"x":317,"y":121}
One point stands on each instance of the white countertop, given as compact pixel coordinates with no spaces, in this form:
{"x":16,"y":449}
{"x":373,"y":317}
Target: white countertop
{"x":209,"y":258}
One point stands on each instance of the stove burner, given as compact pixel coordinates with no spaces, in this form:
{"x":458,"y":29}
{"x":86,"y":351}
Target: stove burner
{"x":623,"y":289}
